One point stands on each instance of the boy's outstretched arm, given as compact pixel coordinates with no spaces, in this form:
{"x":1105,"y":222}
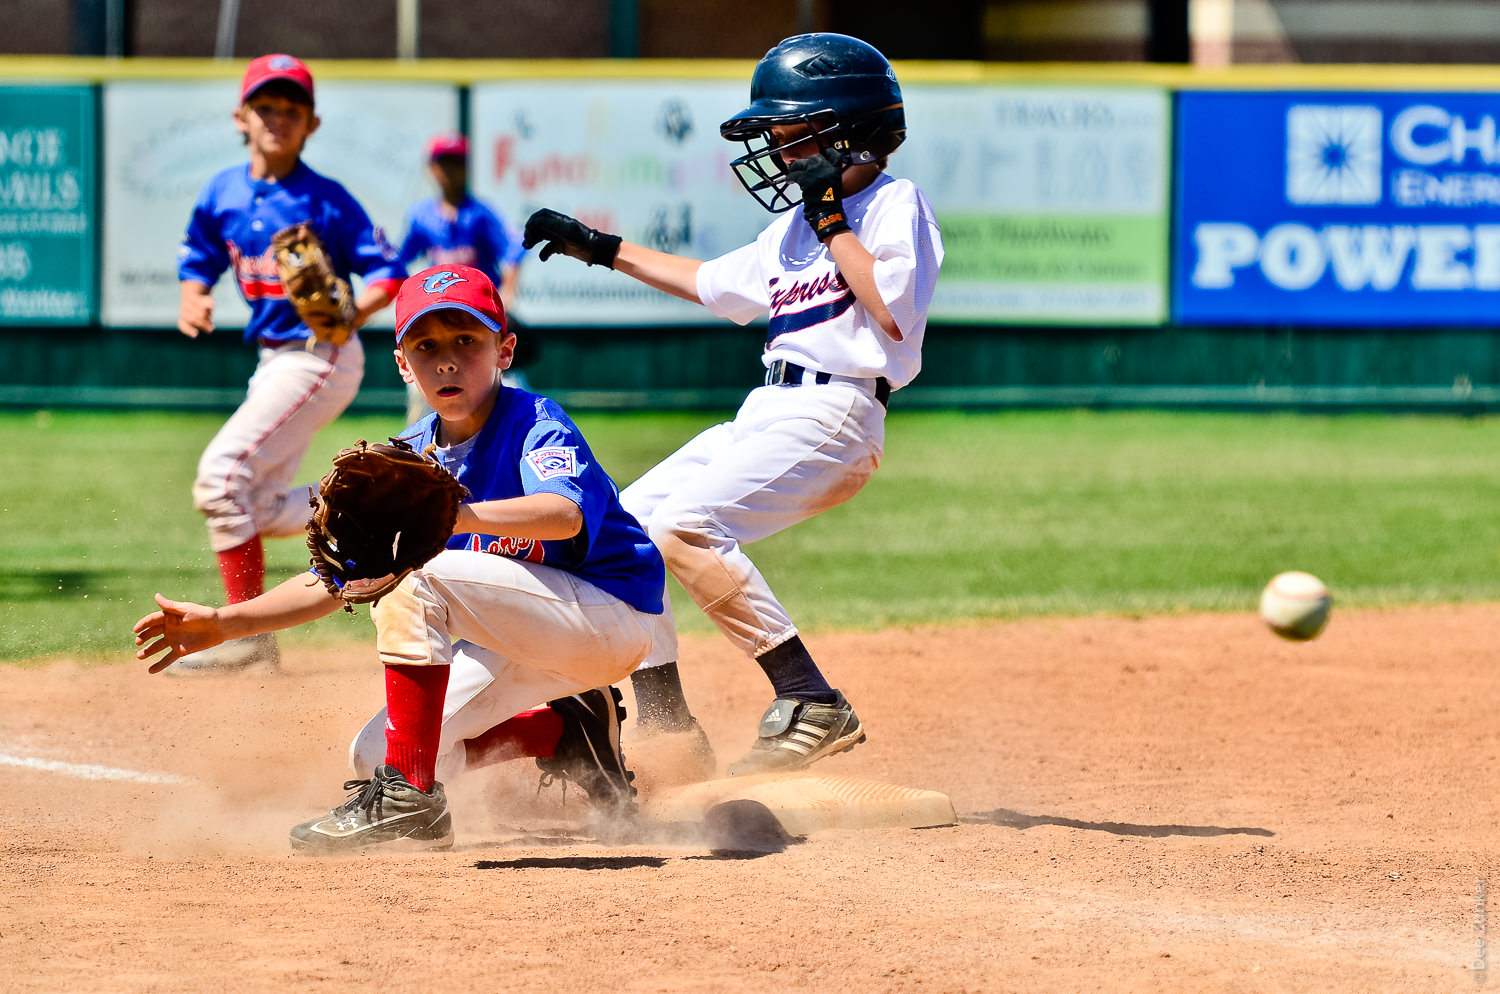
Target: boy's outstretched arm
{"x":674,"y":274}
{"x":182,"y":627}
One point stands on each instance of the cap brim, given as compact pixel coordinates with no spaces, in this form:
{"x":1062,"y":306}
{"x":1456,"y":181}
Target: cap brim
{"x":261,"y":85}
{"x":449,"y":305}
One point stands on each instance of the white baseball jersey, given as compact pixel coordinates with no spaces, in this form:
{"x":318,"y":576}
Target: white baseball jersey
{"x":815,"y":320}
{"x":791,"y":452}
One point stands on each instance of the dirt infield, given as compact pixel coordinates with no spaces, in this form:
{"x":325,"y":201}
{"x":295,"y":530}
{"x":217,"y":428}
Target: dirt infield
{"x":1175,"y":803}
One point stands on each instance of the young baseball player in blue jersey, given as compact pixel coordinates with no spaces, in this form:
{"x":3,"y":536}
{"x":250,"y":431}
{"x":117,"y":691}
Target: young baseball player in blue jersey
{"x":299,"y":386}
{"x":455,"y":229}
{"x":548,"y":591}
{"x":847,"y":281}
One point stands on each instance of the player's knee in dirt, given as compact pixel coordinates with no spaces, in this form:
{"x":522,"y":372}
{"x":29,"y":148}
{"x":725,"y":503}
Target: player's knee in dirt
{"x":401,"y":631}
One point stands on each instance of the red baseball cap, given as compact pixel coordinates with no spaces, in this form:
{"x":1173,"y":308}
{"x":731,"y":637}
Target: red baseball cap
{"x":272,"y":67}
{"x":439,"y":288}
{"x":450,"y":143}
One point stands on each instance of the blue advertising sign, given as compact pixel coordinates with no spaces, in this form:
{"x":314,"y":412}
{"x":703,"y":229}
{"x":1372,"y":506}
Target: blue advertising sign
{"x":1337,"y":208}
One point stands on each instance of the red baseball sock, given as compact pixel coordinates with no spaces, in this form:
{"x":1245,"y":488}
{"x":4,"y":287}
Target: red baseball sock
{"x":414,"y":720}
{"x":244,"y":570}
{"x":530,"y":733}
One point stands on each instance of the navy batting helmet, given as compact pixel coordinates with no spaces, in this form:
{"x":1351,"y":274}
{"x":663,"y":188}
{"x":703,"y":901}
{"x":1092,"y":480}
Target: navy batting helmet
{"x":840,"y":87}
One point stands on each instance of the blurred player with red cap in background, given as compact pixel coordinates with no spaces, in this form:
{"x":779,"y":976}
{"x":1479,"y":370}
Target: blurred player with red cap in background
{"x":455,"y":229}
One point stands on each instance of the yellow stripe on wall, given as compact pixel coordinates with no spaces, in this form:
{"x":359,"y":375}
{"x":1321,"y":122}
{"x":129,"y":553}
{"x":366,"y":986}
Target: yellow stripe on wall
{"x":50,"y":69}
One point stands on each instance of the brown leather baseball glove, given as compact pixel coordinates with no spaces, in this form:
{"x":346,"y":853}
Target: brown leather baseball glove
{"x":381,"y":512}
{"x":323,"y":300}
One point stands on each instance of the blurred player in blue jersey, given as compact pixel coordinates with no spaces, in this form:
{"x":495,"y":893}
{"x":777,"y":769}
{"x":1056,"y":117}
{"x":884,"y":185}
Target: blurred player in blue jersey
{"x":455,"y":229}
{"x":299,"y":386}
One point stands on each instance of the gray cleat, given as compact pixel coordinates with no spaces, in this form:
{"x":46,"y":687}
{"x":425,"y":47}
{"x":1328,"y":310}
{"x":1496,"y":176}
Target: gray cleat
{"x":795,"y":734}
{"x":384,"y":812}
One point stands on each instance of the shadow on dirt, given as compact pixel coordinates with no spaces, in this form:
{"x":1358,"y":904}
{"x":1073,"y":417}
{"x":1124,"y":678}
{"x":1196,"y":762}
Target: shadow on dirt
{"x":573,"y":863}
{"x":1006,"y":818}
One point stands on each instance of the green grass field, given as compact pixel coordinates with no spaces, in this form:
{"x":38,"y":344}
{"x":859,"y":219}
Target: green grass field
{"x":972,"y":516}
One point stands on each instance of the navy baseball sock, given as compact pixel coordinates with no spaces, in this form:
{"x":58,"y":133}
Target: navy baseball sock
{"x":794,"y":675}
{"x":659,"y":701}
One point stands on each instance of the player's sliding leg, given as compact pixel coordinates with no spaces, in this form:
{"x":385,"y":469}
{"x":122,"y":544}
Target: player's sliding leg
{"x":807,"y":721}
{"x":738,"y":483}
{"x":663,"y":721}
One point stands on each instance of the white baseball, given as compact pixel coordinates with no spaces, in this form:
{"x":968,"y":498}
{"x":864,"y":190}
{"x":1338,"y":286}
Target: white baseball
{"x":1296,"y":605}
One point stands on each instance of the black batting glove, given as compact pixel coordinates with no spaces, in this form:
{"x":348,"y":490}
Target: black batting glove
{"x":821,"y":178}
{"x":570,"y":236}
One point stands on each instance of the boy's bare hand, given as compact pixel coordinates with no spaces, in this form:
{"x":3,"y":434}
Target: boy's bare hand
{"x":196,"y":315}
{"x":179,"y":628}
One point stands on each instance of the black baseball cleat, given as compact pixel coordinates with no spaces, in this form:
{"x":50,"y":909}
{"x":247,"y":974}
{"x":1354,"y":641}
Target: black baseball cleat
{"x":796,"y":734}
{"x":588,"y":753}
{"x":386,"y":813}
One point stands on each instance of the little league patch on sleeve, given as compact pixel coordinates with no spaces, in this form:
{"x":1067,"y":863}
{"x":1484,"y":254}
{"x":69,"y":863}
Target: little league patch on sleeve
{"x":554,"y":461}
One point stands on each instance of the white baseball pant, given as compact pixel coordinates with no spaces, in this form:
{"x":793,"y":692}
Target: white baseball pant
{"x":790,"y":453}
{"x":527,"y":634}
{"x":245,"y":473}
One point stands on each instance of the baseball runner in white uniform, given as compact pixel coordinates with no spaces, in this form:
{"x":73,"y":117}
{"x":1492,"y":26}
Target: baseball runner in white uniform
{"x":847,"y":281}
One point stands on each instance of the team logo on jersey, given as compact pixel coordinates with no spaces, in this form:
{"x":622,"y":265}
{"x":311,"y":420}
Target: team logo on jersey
{"x":438,"y":282}
{"x":528,"y":549}
{"x":258,"y":275}
{"x":808,"y":291}
{"x":458,"y":255}
{"x":558,"y":460}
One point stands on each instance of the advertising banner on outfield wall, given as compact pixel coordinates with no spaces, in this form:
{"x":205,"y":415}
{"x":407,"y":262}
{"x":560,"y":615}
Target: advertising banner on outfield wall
{"x":641,"y":158}
{"x":1337,"y":208}
{"x":1052,"y":200}
{"x":47,"y":155}
{"x":164,"y":139}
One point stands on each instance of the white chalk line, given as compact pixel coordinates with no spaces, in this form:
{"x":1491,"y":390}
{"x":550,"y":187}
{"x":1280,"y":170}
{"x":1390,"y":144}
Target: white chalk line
{"x":88,"y":771}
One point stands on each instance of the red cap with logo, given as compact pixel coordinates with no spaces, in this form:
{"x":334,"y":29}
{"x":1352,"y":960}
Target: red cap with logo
{"x":273,"y":67}
{"x":449,"y":288}
{"x":448,"y":144}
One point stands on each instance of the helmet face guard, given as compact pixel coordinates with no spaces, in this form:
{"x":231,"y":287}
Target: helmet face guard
{"x":762,"y":169}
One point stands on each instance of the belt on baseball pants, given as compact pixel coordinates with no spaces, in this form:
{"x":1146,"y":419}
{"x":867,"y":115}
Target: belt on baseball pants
{"x":789,"y":374}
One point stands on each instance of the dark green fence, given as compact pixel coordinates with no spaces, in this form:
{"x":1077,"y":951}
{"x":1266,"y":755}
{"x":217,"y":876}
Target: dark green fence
{"x":713,"y":367}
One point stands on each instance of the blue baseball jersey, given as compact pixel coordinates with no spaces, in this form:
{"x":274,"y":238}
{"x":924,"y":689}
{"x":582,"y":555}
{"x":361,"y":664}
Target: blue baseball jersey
{"x":235,"y":219}
{"x":476,"y":237}
{"x":529,"y":446}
